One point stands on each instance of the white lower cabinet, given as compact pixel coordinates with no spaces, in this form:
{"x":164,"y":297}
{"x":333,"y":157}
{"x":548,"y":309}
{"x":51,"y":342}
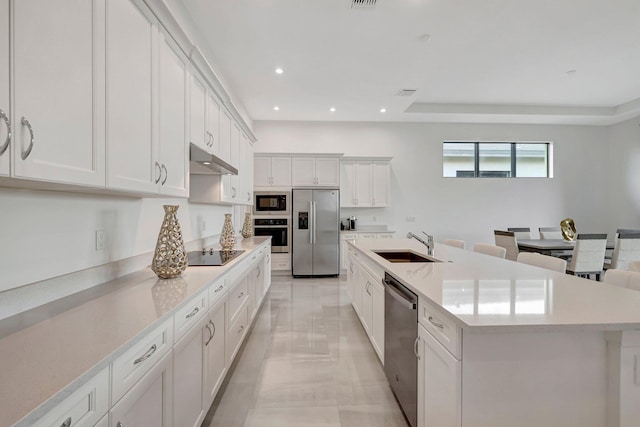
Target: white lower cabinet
{"x":149,"y":402}
{"x":84,"y":407}
{"x":280,"y":261}
{"x":372,"y":310}
{"x":439,"y":384}
{"x":189,"y":376}
{"x":215,"y":362}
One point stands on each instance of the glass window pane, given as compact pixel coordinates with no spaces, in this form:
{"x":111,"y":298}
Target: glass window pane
{"x":458,"y":159}
{"x":495,"y":160}
{"x":532,"y":160}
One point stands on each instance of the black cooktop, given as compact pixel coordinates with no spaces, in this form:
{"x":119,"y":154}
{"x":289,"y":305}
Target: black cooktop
{"x":211,"y":257}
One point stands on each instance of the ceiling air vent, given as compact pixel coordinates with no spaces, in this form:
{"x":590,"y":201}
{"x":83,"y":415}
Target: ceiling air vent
{"x":406,"y":92}
{"x":363,"y":4}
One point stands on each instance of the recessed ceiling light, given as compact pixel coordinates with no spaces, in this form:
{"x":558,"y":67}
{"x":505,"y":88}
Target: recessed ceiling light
{"x":332,"y":109}
{"x":206,"y":163}
{"x":279,"y":70}
{"x":383,"y":110}
{"x":570,"y":72}
{"x":276,"y":108}
{"x":424,"y":38}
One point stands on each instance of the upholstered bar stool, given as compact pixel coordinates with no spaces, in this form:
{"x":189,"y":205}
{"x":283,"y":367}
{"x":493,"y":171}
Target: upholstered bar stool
{"x":588,"y":255}
{"x":544,"y":261}
{"x":492,"y":250}
{"x":623,"y":278}
{"x":454,"y":242}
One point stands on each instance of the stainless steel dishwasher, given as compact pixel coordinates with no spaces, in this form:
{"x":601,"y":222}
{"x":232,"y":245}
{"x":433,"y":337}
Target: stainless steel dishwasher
{"x":400,"y":338}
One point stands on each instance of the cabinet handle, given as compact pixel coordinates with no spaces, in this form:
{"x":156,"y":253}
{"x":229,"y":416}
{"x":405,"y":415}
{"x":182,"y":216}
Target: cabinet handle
{"x":368,"y":287}
{"x":119,"y":424}
{"x":415,"y":348}
{"x":437,"y":325}
{"x":146,"y":355}
{"x":26,"y":123}
{"x":241,"y":329}
{"x":210,"y":335}
{"x":159,"y":172}
{"x":164,"y":168}
{"x":258,"y":272}
{"x":193,"y":313}
{"x":241,"y":295}
{"x":4,"y":146}
{"x":219,"y":288}
{"x":248,"y":196}
{"x":233,"y":194}
{"x":66,"y":423}
{"x":214,"y":329}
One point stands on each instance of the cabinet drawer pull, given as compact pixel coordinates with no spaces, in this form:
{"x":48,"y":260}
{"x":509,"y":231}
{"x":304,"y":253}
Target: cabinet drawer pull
{"x":146,"y":355}
{"x":193,"y":313}
{"x":415,"y":348}
{"x":213,"y":325}
{"x":210,"y":335}
{"x":241,"y":295}
{"x":4,"y":146}
{"x":219,"y":288}
{"x":164,"y":168}
{"x":26,"y":123}
{"x":66,"y":423}
{"x":437,"y":325}
{"x":159,"y":172}
{"x":368,"y":287}
{"x":241,"y":329}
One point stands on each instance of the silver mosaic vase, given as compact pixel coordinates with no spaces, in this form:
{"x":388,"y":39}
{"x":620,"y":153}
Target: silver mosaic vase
{"x":227,"y":237}
{"x":170,"y":257}
{"x":247,"y":227}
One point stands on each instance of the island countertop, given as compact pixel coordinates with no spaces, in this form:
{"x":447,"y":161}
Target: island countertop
{"x":481,"y":293}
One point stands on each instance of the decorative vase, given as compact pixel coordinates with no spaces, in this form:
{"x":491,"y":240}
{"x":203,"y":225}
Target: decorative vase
{"x":247,"y":227}
{"x":170,"y":257}
{"x":227,"y":237}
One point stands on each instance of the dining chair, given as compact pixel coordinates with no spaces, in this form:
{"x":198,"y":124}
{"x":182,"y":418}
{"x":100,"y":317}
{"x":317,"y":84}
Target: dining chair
{"x":454,"y":242}
{"x":550,"y":233}
{"x":634,"y":265}
{"x":521,"y":232}
{"x":588,"y":255}
{"x":492,"y":250}
{"x":627,"y":248}
{"x":623,"y":278}
{"x":507,"y":240}
{"x":543,"y":261}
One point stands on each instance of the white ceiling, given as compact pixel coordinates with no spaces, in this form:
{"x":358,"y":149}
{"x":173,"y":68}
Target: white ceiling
{"x":498,"y":61}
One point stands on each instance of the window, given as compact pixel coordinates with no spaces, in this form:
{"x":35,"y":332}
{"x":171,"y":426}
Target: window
{"x":496,"y":159}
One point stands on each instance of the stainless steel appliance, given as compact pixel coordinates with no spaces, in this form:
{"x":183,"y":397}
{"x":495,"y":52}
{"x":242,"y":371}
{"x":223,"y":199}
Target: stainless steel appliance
{"x":400,"y":340}
{"x":211,"y":257}
{"x":276,"y":228}
{"x":271,"y":203}
{"x":315,"y":243}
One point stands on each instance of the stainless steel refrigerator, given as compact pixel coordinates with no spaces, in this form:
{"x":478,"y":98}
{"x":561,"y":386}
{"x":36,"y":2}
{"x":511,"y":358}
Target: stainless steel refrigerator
{"x":315,"y":242}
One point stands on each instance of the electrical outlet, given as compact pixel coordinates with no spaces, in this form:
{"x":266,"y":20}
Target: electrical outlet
{"x":203,"y":225}
{"x":410,"y":219}
{"x":375,"y":219}
{"x":100,"y":240}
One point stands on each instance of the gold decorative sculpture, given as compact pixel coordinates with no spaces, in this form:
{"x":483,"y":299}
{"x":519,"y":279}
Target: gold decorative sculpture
{"x":170,"y":257}
{"x":568,"y":228}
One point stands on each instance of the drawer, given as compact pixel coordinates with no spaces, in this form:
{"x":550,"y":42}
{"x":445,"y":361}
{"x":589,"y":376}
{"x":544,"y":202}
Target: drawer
{"x":349,"y":236}
{"x":367,"y":236}
{"x":84,"y":407}
{"x":189,"y":315}
{"x":136,"y":361}
{"x":441,"y":327}
{"x":236,"y":332}
{"x":237,"y":296}
{"x":280,"y":261}
{"x":216,"y":291}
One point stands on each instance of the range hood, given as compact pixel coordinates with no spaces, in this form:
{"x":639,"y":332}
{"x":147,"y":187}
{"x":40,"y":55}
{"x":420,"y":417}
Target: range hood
{"x":203,"y":163}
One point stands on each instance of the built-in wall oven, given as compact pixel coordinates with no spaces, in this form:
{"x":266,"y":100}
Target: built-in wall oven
{"x":272,"y":203}
{"x":278,"y":229}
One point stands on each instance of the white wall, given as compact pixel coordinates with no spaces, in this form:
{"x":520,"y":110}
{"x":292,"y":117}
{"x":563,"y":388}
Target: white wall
{"x":468,"y":209}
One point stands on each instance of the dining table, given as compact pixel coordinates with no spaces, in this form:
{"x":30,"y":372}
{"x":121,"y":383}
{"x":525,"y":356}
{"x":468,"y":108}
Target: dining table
{"x":553,"y":247}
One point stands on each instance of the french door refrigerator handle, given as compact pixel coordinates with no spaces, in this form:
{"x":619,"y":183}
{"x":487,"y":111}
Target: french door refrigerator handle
{"x":314,"y":223}
{"x":310,"y":223}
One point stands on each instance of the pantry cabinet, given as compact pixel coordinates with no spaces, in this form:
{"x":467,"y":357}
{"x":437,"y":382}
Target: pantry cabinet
{"x":58,"y":91}
{"x":5,"y":112}
{"x":365,"y":182}
{"x":147,"y":78}
{"x":315,"y":171}
{"x":272,"y":171}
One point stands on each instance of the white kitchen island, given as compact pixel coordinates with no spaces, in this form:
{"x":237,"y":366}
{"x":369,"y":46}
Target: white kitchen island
{"x":508,"y":344}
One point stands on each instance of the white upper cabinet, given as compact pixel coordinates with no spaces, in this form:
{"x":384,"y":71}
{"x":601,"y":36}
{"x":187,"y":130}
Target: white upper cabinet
{"x":5,"y":113}
{"x":58,"y":90}
{"x":147,"y":78}
{"x":131,"y":34}
{"x":173,"y":155}
{"x":198,"y":116}
{"x":248,"y":172}
{"x":213,"y":123}
{"x":315,"y":171}
{"x":225,"y":136}
{"x":365,"y":182}
{"x":272,"y":171}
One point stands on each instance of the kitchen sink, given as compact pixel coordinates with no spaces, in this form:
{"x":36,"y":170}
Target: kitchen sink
{"x":403,"y":256}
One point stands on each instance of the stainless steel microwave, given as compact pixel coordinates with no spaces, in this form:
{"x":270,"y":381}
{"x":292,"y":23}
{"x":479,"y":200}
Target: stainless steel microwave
{"x":272,"y":203}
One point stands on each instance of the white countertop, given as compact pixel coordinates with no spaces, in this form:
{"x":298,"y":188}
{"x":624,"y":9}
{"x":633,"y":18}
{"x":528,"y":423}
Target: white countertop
{"x":483,"y":292}
{"x":72,"y":339}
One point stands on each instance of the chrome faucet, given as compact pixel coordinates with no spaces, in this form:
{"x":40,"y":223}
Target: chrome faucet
{"x":428,"y":243}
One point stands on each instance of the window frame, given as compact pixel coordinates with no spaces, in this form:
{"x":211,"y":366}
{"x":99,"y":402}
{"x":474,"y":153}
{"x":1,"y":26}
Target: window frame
{"x":513,"y":158}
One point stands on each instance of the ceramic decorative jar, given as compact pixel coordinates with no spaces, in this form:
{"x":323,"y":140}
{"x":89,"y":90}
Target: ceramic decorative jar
{"x":170,"y":257}
{"x":247,"y":227}
{"x":227,"y":237}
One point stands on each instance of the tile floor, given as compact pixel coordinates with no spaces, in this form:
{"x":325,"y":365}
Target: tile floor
{"x":307,"y":362}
